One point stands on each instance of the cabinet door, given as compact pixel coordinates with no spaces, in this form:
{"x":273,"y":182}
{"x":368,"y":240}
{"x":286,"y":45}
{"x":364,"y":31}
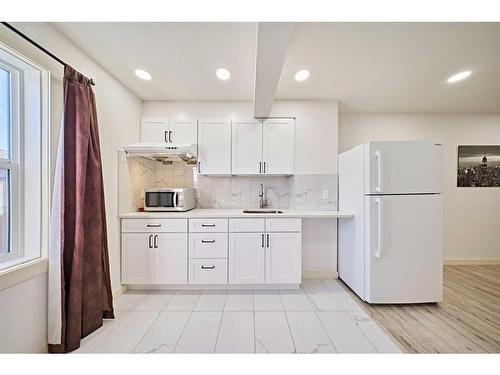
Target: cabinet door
{"x":246,"y":258}
{"x":283,"y":264}
{"x":154,"y":130}
{"x":183,"y":131}
{"x":279,"y":146}
{"x":214,"y":147}
{"x":247,"y":147}
{"x":137,"y":258}
{"x":171,"y":258}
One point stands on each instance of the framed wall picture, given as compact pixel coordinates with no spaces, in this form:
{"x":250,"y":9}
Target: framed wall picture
{"x":478,"y":166}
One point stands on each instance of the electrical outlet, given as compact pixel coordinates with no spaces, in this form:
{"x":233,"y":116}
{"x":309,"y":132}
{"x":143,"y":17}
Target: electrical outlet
{"x":325,"y":194}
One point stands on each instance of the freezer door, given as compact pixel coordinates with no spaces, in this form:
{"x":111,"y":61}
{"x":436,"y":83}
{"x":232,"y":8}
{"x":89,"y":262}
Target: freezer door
{"x":402,"y":167}
{"x":404,"y":249}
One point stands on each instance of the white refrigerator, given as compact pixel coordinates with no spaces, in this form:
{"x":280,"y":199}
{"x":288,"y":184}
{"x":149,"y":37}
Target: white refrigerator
{"x":392,"y":251}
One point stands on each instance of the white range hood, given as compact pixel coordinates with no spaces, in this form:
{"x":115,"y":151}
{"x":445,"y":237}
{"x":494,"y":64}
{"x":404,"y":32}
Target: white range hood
{"x":162,"y":152}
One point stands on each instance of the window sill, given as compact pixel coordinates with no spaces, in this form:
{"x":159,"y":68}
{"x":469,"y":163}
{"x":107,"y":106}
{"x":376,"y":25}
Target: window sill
{"x":23,"y":272}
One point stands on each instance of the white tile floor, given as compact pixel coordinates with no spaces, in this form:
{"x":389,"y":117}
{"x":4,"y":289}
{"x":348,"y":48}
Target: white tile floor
{"x":319,"y":318}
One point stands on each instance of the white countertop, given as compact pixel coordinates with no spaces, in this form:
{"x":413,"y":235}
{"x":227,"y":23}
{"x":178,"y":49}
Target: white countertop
{"x":236,"y":213}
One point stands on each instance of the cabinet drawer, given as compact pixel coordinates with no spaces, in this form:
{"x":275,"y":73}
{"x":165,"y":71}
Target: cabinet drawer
{"x":208,"y":225}
{"x":283,"y":225}
{"x":208,"y":271}
{"x":154,"y":225}
{"x":207,"y":245}
{"x":246,"y":225}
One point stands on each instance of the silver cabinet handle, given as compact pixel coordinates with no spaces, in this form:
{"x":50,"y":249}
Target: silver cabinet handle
{"x":262,"y":242}
{"x":199,"y":167}
{"x":264,"y":167}
{"x":207,"y":241}
{"x":170,"y":136}
{"x":153,"y":225}
{"x":208,"y":225}
{"x":156,"y":241}
{"x":267,"y":240}
{"x":149,"y":241}
{"x":260,"y":167}
{"x":207,"y":267}
{"x":166,"y":140}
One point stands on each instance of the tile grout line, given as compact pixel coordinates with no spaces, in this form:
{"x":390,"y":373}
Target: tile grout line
{"x":107,"y":334}
{"x":147,"y":330}
{"x":253,"y":315}
{"x":220,"y":324}
{"x":117,"y":325}
{"x":185,"y":325}
{"x":320,"y":322}
{"x":356,"y":324}
{"x":288,"y":325}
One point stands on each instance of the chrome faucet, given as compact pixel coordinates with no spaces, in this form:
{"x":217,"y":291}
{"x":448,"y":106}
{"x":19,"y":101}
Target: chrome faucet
{"x":263,"y":199}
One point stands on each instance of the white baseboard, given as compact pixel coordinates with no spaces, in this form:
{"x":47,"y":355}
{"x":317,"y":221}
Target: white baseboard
{"x":470,"y":261}
{"x":118,"y":292}
{"x":320,"y":275}
{"x":42,"y":349}
{"x":215,"y":287}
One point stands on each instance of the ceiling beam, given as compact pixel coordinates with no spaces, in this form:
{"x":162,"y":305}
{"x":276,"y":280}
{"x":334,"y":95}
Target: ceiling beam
{"x":272,"y":45}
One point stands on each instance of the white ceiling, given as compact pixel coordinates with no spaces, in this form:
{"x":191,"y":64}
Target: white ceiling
{"x":366,"y":66}
{"x":181,"y":57}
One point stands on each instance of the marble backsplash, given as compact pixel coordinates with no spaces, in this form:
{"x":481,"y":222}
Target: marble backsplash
{"x":306,"y":192}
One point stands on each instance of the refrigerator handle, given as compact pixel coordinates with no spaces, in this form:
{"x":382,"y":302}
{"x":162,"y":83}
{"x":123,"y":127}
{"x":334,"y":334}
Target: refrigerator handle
{"x":378,"y":253}
{"x":378,"y":155}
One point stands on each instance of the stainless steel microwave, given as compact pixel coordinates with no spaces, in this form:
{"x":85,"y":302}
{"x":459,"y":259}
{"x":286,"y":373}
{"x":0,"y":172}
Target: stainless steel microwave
{"x":169,"y":199}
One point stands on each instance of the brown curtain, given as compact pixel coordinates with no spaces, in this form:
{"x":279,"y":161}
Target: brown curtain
{"x":85,"y":282}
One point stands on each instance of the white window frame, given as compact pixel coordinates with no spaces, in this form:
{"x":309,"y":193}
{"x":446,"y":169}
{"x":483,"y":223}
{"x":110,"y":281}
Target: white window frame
{"x":12,"y":165}
{"x":28,"y":162}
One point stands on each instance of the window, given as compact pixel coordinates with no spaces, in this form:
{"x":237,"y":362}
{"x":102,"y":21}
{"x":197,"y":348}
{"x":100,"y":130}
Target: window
{"x":23,"y":159}
{"x":4,"y":157}
{"x":8,"y":165}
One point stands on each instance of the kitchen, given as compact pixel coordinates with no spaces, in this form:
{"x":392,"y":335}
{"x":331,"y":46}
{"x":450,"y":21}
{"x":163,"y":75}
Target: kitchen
{"x":287,"y":197}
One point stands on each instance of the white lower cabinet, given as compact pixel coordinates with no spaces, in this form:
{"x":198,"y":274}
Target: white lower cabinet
{"x":171,"y":258}
{"x":246,"y":258}
{"x":258,"y":256}
{"x":255,"y":251}
{"x":283,"y":265}
{"x":158,"y":258}
{"x":137,"y":258}
{"x":207,"y":271}
{"x":154,"y":251}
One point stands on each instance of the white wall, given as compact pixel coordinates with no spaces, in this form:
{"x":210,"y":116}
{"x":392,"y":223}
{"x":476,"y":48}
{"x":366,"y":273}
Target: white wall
{"x":316,"y":153}
{"x":471,"y":215}
{"x":119,"y":115}
{"x":23,"y":316}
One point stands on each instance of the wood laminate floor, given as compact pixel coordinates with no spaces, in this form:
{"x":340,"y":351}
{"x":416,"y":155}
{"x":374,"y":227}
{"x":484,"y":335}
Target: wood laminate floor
{"x":467,"y":321}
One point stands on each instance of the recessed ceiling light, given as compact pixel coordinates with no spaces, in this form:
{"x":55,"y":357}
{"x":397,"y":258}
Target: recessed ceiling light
{"x":223,"y":74}
{"x":302,"y":75}
{"x":459,"y":76}
{"x":142,"y":74}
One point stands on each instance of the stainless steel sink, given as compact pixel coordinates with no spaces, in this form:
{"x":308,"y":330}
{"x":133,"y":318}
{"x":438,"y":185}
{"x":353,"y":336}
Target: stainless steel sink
{"x":262,"y":211}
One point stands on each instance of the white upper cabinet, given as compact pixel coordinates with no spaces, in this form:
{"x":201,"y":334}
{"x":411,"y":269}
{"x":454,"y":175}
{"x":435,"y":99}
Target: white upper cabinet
{"x":183,"y":131}
{"x":159,"y":130}
{"x":214,"y":147}
{"x":278,"y":146}
{"x":154,"y":130}
{"x":263,"y":147}
{"x":247,"y":147}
